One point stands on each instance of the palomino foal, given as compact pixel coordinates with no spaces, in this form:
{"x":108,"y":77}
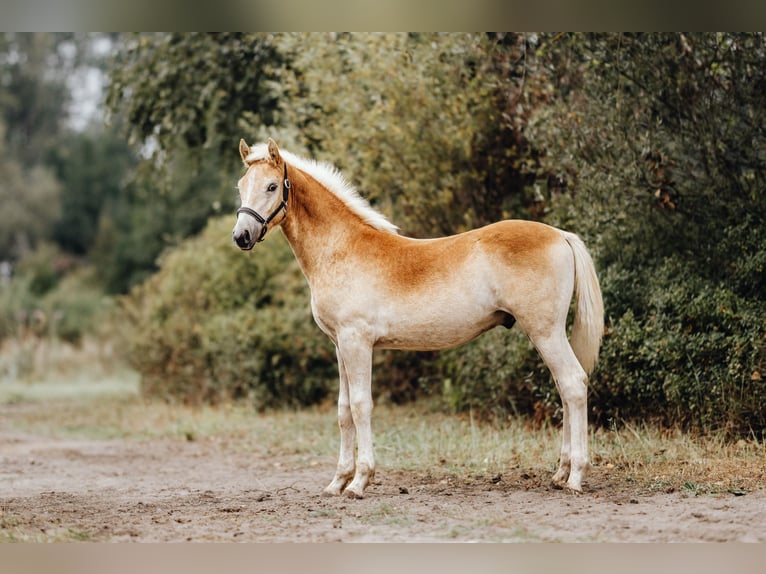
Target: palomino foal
{"x":373,"y":288}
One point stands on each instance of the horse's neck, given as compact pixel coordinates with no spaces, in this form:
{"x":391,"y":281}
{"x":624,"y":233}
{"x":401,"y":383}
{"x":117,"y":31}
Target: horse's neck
{"x":318,"y":224}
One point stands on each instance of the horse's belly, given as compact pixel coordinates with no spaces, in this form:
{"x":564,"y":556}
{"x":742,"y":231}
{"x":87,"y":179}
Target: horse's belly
{"x":439,"y":331}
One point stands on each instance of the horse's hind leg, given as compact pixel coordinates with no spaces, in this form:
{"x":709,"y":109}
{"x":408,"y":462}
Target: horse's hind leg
{"x":562,"y":474}
{"x":345,"y":469}
{"x":571,"y":382}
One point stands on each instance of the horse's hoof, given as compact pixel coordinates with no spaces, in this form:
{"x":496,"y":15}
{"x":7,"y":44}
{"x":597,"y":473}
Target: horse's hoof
{"x":353,"y":494}
{"x":573,"y":491}
{"x":334,"y":488}
{"x":561,"y":476}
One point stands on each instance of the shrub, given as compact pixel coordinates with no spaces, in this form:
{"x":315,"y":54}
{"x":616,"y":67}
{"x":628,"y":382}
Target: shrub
{"x":216,"y":324}
{"x":41,"y":301}
{"x":75,"y":307}
{"x":497,"y":375}
{"x":692,"y":355}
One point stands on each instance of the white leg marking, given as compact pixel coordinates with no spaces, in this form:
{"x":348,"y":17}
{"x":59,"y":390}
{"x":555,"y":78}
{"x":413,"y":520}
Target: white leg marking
{"x":561,"y":475}
{"x":571,"y":382}
{"x":357,"y":358}
{"x":345,"y":468}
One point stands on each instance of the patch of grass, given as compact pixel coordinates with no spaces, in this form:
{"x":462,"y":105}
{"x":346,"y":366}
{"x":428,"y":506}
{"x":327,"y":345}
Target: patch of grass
{"x":102,"y":408}
{"x":670,"y":460}
{"x":388,"y":514}
{"x":123,"y":384}
{"x":12,"y":530}
{"x":409,"y":437}
{"x":692,"y":488}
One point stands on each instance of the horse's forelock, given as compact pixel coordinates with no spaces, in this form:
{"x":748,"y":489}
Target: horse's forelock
{"x":258,"y":152}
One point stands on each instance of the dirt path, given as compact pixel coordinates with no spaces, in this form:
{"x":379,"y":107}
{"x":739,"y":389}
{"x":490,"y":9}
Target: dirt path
{"x":172,"y":490}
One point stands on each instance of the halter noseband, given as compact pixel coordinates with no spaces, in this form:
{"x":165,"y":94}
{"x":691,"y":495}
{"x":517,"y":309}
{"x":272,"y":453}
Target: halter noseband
{"x":265,"y":222}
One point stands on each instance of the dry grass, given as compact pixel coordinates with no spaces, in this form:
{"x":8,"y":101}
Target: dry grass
{"x":101,"y":405}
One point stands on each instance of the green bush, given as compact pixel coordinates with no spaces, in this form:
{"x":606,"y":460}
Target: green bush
{"x":75,"y":307}
{"x":16,"y":302}
{"x":694,"y":352}
{"x":497,"y":375}
{"x":658,"y":138}
{"x":216,"y":324}
{"x":41,"y":301}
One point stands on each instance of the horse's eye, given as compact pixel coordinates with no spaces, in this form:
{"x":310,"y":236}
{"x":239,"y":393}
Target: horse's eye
{"x":272,"y":187}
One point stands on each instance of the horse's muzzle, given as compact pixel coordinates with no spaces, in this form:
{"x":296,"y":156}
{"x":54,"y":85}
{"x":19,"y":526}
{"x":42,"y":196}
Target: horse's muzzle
{"x":243,"y":239}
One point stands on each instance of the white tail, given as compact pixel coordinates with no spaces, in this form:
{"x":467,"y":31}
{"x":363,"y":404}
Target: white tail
{"x":588,"y":325}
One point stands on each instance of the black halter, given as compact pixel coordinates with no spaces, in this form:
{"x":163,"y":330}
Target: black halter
{"x":265,"y":222}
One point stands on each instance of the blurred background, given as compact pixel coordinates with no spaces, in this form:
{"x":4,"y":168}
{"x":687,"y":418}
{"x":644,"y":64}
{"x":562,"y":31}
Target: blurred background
{"x":118,"y":165}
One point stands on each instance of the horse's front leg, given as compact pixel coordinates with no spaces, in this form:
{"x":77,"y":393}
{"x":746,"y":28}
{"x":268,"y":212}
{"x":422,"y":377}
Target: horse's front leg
{"x":356,"y":356}
{"x":345,"y":469}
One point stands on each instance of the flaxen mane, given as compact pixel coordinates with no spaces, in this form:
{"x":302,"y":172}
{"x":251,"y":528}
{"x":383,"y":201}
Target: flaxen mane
{"x":334,"y":181}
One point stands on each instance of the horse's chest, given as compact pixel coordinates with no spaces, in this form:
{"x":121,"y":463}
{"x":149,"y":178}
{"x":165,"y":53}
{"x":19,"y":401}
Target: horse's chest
{"x":326,"y":328}
{"x":325,"y":309}
{"x":335,"y":308}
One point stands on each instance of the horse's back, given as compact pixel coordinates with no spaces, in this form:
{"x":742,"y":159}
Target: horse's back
{"x":519,"y":237}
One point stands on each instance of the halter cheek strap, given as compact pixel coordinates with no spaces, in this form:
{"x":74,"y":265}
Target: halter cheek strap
{"x":282,"y":206}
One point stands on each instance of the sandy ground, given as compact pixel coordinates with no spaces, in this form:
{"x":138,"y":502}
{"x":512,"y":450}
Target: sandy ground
{"x":208,"y":490}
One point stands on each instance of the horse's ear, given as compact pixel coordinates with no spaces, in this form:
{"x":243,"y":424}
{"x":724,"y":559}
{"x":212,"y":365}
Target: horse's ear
{"x":274,"y":156}
{"x":244,"y":150}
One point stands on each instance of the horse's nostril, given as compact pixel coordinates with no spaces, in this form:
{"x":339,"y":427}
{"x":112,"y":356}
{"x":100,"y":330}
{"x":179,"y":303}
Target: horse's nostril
{"x":243,"y":239}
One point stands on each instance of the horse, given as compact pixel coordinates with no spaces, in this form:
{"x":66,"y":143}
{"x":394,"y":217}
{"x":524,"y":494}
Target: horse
{"x":373,"y":288}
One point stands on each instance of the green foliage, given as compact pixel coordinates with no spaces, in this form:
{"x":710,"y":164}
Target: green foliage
{"x":33,"y":91}
{"x":216,"y":324}
{"x":76,"y":307}
{"x":91,"y":169}
{"x":183,"y":98}
{"x":497,"y":375}
{"x":16,"y":302}
{"x":429,"y":126}
{"x":30,"y":204}
{"x":693,"y":350}
{"x":193,"y":87}
{"x":39,"y":269}
{"x":156,"y":210}
{"x":649,"y":146}
{"x":33,"y":101}
{"x":659,"y":137}
{"x":44,"y":304}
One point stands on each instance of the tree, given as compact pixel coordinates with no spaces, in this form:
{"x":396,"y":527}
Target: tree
{"x":183,"y":99}
{"x":30,"y":200}
{"x":429,"y":125}
{"x":40,"y":161}
{"x":420,"y":122}
{"x":193,"y":89}
{"x":33,"y":91}
{"x":157,"y":210}
{"x":92,"y":168}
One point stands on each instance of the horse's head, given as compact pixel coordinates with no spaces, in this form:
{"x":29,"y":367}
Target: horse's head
{"x":263,"y":192}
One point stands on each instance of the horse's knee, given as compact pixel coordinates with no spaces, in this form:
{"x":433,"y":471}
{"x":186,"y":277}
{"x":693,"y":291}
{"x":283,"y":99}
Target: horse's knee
{"x":361,"y":409}
{"x":574,"y":390}
{"x":345,"y":418}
